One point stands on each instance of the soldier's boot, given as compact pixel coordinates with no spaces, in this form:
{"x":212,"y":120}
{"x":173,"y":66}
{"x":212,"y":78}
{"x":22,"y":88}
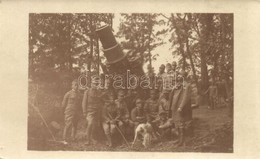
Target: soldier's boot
{"x":181,"y":137}
{"x":109,"y":140}
{"x":88,"y":142}
{"x":88,"y":139}
{"x":64,"y":137}
{"x":73,"y":133}
{"x":89,"y":134}
{"x":177,"y":133}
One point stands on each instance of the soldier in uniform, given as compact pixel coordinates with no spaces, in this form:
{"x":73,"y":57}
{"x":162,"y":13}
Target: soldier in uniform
{"x":180,"y":102}
{"x":150,"y":72}
{"x":168,"y":78}
{"x":222,"y":91}
{"x":163,"y":125}
{"x":71,"y":107}
{"x":92,"y":107}
{"x":213,"y":92}
{"x":109,"y":114}
{"x":137,"y":114}
{"x":152,"y":106}
{"x":123,"y":115}
{"x":164,"y":103}
{"x":160,"y":77}
{"x":174,"y":66}
{"x":130,"y":99}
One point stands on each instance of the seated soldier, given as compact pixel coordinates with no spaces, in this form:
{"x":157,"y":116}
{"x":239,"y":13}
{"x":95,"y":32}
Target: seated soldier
{"x":163,"y":125}
{"x":130,"y":99}
{"x":109,"y":114}
{"x":152,"y":106}
{"x":122,"y":112}
{"x":137,"y":114}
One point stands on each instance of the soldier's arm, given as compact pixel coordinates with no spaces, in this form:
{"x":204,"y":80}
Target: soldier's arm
{"x":162,"y":105}
{"x":84,"y":103}
{"x":168,"y":124}
{"x":206,"y":91}
{"x":186,"y":97}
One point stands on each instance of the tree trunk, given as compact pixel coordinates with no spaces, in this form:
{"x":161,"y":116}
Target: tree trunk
{"x":183,"y":54}
{"x":98,"y":55}
{"x":191,"y":62}
{"x":91,"y":44}
{"x":149,"y":48}
{"x":204,"y":70}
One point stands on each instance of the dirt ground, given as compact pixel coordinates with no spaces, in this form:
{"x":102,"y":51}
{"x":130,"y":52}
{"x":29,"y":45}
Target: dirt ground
{"x":213,"y":132}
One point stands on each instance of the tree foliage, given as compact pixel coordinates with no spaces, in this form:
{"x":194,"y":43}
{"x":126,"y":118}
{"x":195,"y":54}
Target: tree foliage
{"x":64,"y":43}
{"x":140,"y":37}
{"x":206,"y":40}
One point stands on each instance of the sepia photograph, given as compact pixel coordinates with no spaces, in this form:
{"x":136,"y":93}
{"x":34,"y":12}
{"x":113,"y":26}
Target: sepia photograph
{"x":132,"y":82}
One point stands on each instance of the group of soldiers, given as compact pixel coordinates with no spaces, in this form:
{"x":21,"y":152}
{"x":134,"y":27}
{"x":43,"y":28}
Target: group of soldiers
{"x":168,"y":110}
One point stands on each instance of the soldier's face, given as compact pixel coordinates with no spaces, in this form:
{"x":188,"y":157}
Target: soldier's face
{"x":174,"y":66}
{"x":120,"y":96}
{"x":168,"y":68}
{"x":161,"y":69}
{"x":139,"y":104}
{"x":163,"y":117}
{"x":74,"y":86}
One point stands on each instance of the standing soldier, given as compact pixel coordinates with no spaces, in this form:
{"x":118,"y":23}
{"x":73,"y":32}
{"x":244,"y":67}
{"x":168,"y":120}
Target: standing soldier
{"x":152,"y":106}
{"x":222,"y":91}
{"x":160,"y":77}
{"x":174,"y":72}
{"x":71,"y":107}
{"x":92,"y":106}
{"x":174,"y":66}
{"x":213,"y":92}
{"x":150,"y":74}
{"x":180,"y":101}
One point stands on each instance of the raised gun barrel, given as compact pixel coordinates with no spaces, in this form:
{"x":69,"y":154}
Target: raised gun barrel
{"x":116,"y":59}
{"x":118,"y":62}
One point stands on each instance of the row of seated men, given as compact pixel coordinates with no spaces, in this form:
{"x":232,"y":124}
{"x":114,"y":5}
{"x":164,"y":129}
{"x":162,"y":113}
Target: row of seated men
{"x":126,"y":112}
